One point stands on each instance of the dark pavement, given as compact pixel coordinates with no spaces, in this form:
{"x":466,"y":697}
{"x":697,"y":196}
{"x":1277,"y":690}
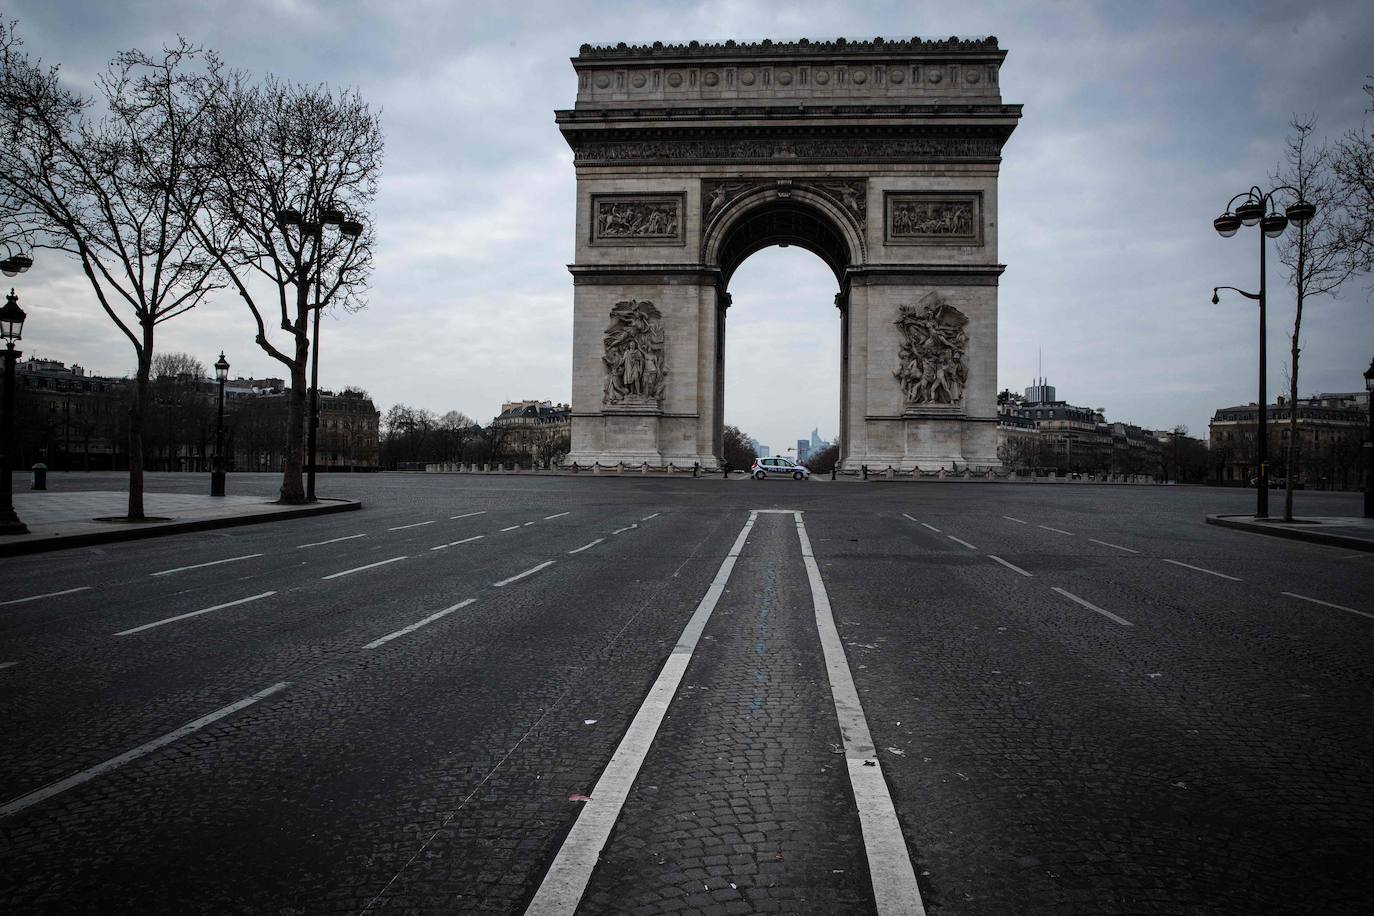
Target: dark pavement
{"x":1083,"y":699}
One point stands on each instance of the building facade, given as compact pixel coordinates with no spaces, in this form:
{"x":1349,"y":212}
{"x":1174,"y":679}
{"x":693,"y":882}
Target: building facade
{"x":1331,"y":430}
{"x":538,"y":429}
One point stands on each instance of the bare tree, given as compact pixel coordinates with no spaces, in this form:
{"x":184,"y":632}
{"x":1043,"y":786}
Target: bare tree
{"x":1353,"y":163}
{"x":310,"y":154}
{"x":103,"y":190}
{"x":1315,"y":253}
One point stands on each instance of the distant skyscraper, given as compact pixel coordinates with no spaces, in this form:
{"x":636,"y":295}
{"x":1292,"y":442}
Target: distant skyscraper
{"x":803,"y":449}
{"x":1040,"y":393}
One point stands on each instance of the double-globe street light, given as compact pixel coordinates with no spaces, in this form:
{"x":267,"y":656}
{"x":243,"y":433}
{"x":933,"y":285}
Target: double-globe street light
{"x":313,"y":227}
{"x":11,"y":329}
{"x":217,"y":474}
{"x":1258,"y":208}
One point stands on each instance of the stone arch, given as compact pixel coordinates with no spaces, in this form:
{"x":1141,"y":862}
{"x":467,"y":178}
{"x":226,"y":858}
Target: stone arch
{"x":765,"y":217}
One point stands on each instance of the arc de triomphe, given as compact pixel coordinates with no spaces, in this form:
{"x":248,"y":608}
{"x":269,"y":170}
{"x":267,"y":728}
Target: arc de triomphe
{"x":880,"y":157}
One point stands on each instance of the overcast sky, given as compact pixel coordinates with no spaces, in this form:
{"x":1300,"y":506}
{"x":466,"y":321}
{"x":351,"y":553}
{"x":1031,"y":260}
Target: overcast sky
{"x":1141,"y":120}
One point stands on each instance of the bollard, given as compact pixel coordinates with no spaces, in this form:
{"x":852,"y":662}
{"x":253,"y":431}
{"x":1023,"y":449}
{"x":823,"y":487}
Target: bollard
{"x":696,"y":468}
{"x":40,"y":476}
{"x":832,"y":471}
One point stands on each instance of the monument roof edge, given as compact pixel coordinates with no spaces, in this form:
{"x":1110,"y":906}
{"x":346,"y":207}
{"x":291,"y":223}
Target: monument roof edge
{"x":589,"y":53}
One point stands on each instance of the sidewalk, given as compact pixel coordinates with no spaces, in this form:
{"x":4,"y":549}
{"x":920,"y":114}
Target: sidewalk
{"x":1352,"y":533}
{"x":58,"y":520}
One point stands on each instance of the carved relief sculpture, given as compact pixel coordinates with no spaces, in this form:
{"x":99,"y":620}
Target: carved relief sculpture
{"x":850,"y":195}
{"x":931,"y":365}
{"x":934,"y":219}
{"x":637,"y":220}
{"x":634,"y":355}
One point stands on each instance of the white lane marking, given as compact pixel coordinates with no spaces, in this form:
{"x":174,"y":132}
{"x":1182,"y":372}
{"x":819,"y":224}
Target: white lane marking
{"x":330,"y":541}
{"x":1055,"y":530}
{"x":1210,"y":572}
{"x":1339,"y":607}
{"x":511,"y":528}
{"x":1012,"y":566}
{"x":416,"y":525}
{"x":419,"y":623}
{"x":889,"y":865}
{"x":905,"y":516}
{"x":467,"y":515}
{"x":65,"y":591}
{"x":958,"y":541}
{"x":566,"y":879}
{"x":1092,"y":607}
{"x":1113,"y":546}
{"x":48,"y":791}
{"x":647,"y":517}
{"x":8,"y":664}
{"x":217,"y":607}
{"x":529,"y":572}
{"x":349,"y":572}
{"x":626,"y":528}
{"x":527,"y":524}
{"x":931,"y":527}
{"x":587,"y":546}
{"x":559,"y":515}
{"x":168,"y":572}
{"x":1017,"y":520}
{"x":476,"y":537}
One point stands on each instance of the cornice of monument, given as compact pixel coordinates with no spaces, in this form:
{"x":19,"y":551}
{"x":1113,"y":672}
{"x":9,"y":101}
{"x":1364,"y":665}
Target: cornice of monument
{"x":803,"y":47}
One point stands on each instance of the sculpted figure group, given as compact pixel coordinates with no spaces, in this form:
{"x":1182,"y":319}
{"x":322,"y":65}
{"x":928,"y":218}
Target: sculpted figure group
{"x":634,"y":357}
{"x":931,"y":363}
{"x":926,"y":218}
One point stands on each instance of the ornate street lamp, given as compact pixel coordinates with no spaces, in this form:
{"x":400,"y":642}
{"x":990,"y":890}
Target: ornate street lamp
{"x":11,"y":329}
{"x":217,"y":475}
{"x":1369,"y":445}
{"x":349,"y":228}
{"x":1257,"y":208}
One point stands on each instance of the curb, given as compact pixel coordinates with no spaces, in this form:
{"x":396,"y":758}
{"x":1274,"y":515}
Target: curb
{"x":1293,"y":534}
{"x":42,"y":544}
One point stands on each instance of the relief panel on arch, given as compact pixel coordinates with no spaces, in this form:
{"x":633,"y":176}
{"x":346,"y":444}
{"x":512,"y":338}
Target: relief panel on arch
{"x":638,"y":219}
{"x":933,"y":218}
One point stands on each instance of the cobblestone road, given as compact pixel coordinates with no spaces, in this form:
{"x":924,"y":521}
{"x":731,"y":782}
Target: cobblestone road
{"x":1081,"y":700}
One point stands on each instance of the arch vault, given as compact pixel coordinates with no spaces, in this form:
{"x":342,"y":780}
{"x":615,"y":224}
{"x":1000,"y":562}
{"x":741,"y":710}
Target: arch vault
{"x":880,"y":157}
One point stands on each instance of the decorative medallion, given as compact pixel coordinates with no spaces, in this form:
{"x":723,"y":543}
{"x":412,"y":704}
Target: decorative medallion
{"x":933,"y":218}
{"x":822,"y":77}
{"x":634,"y":354}
{"x":932,"y":360}
{"x":674,"y":79}
{"x":637,"y":219}
{"x":711,"y":78}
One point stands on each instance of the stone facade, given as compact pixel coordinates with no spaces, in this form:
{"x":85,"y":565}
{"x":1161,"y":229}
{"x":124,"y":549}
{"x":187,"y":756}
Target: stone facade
{"x":880,"y":157}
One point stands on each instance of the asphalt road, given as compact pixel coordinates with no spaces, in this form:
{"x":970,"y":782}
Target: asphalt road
{"x":1079,"y":699}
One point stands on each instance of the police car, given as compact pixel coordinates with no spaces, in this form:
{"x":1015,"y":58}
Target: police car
{"x":779,"y":467}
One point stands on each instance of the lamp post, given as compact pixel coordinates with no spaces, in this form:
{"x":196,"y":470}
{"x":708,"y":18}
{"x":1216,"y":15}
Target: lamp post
{"x":217,"y":475}
{"x":11,"y":328}
{"x":1369,"y":444}
{"x":1257,"y":207}
{"x":314,"y":227}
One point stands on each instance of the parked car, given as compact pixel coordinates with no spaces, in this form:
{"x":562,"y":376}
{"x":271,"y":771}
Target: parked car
{"x":779,"y":467}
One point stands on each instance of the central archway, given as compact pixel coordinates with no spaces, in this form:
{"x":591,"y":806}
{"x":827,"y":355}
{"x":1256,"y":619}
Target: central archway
{"x":879,"y":157}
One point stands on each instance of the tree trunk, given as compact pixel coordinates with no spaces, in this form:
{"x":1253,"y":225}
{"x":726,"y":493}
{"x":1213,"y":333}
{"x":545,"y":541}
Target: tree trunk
{"x":1291,"y":470}
{"x":292,"y":482}
{"x":137,"y":408}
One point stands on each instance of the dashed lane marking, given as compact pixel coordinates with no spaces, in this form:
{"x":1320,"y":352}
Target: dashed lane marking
{"x":217,"y":607}
{"x":586,"y":546}
{"x":529,"y":572}
{"x":1210,"y":572}
{"x":1339,"y":607}
{"x":959,"y":541}
{"x":1092,"y":607}
{"x":909,"y":518}
{"x":1012,"y":566}
{"x":1017,"y":520}
{"x":527,"y":524}
{"x":511,"y":528}
{"x":626,"y":528}
{"x":476,"y":537}
{"x":467,"y":515}
{"x":559,"y":515}
{"x":65,"y":591}
{"x":931,"y":527}
{"x":566,"y":879}
{"x":330,"y":541}
{"x":889,"y":865}
{"x":48,"y":791}
{"x":416,"y":525}
{"x":419,"y":623}
{"x":168,"y":572}
{"x":8,"y":664}
{"x":647,"y":517}
{"x":349,"y":572}
{"x":1113,"y":546}
{"x":1055,"y":530}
